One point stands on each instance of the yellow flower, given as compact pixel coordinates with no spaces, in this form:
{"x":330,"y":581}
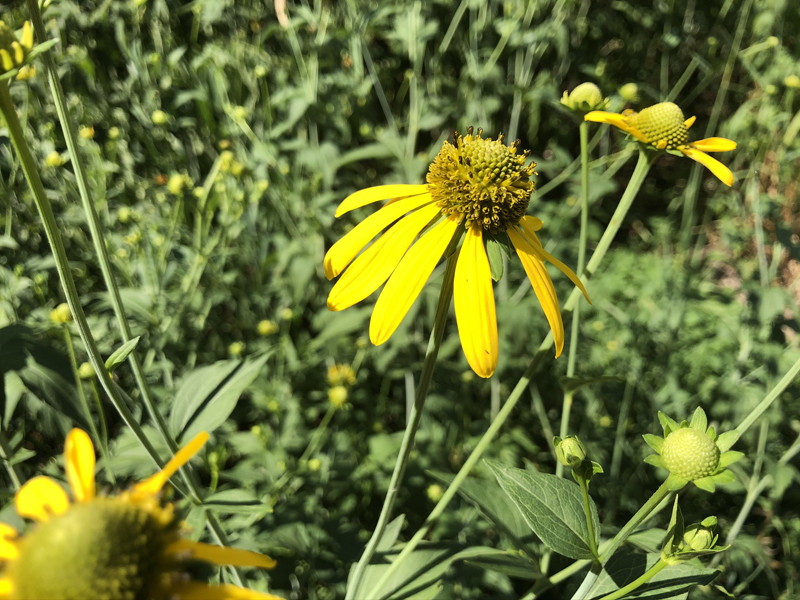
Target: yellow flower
{"x":477,"y":189}
{"x":119,"y":547}
{"x":13,"y":51}
{"x":663,"y":126}
{"x":339,"y":374}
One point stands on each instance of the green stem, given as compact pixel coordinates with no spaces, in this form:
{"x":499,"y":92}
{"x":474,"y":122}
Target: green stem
{"x":639,"y":174}
{"x":587,"y":511}
{"x":5,"y":454}
{"x":445,"y":297}
{"x":85,"y":403}
{"x":101,"y":414}
{"x":637,"y":583}
{"x":318,"y":433}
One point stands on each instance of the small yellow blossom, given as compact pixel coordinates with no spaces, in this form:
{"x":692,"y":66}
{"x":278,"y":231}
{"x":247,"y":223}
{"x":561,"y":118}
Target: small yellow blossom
{"x":287,"y":314}
{"x":54,"y":159}
{"x":159,"y":117}
{"x":337,"y":396}
{"x":267,"y":327}
{"x":792,"y":81}
{"x":86,"y":132}
{"x":236,"y":349}
{"x":61,"y":314}
{"x":86,"y":371}
{"x":340,"y":374}
{"x":435,"y":492}
{"x":314,"y":465}
{"x":26,"y":72}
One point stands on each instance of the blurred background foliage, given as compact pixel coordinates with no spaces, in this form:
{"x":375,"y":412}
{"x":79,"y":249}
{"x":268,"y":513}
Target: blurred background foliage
{"x":221,"y":135}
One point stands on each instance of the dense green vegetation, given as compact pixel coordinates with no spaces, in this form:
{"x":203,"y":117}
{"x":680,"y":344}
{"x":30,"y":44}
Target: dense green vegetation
{"x":218,"y":139}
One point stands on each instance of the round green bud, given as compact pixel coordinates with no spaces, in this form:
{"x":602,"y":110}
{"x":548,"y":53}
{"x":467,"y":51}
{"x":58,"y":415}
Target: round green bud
{"x":690,"y":454}
{"x":629,"y":92}
{"x":435,"y":492}
{"x":54,"y":159}
{"x":337,"y":395}
{"x":699,"y":537}
{"x":314,"y":465}
{"x":266,"y":327}
{"x":792,"y":81}
{"x":587,"y":96}
{"x":86,"y":371}
{"x":236,"y":348}
{"x":160,"y":117}
{"x":61,"y":314}
{"x":569,"y":451}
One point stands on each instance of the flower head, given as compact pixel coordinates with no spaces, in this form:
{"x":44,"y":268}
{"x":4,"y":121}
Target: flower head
{"x":339,"y":374}
{"x":664,"y":127}
{"x":13,"y":51}
{"x":119,"y":547}
{"x":585,"y":97}
{"x":478,"y":189}
{"x":692,"y":452}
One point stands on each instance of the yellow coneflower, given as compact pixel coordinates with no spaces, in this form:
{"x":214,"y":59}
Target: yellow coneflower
{"x":123,"y":547}
{"x":664,"y":127}
{"x":479,"y":189}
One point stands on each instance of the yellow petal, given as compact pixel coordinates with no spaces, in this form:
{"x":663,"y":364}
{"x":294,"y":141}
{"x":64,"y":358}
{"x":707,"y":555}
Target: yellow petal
{"x":377,"y":193}
{"x":6,"y":588}
{"x":713,"y":144}
{"x":153,"y":485}
{"x":220,"y":555}
{"x":474,"y":301}
{"x":346,"y":249}
{"x":40,"y":498}
{"x":712,"y":164}
{"x":194,"y":590}
{"x":545,"y":255}
{"x":408,"y":279}
{"x":27,"y":35}
{"x":19,"y":53}
{"x":5,"y":59}
{"x":689,"y":122}
{"x":8,"y":546}
{"x":374,"y":266}
{"x":79,"y":460}
{"x":531,"y":223}
{"x":542,"y":285}
{"x":615,"y":119}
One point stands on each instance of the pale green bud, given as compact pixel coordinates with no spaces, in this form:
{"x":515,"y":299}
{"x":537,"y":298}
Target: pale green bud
{"x":569,"y":451}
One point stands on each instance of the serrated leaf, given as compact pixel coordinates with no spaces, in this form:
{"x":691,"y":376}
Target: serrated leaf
{"x":121,"y":354}
{"x":673,"y":582}
{"x":726,"y":440}
{"x":552,"y":507}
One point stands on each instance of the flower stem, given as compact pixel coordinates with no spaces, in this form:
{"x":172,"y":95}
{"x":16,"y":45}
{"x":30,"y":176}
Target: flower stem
{"x":639,"y":174}
{"x":640,"y":581}
{"x":587,"y":511}
{"x":445,"y":297}
{"x":566,"y":407}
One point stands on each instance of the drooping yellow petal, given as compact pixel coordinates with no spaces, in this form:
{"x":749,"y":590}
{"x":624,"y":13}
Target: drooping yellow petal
{"x":346,"y":249}
{"x":714,"y":144}
{"x":40,"y":498}
{"x":532,"y":223}
{"x":79,"y":461}
{"x":194,"y":590}
{"x":220,"y":555}
{"x":712,"y":164}
{"x":689,"y":122}
{"x":542,"y":285}
{"x":8,"y":545}
{"x":6,"y":588}
{"x":407,"y":281}
{"x":153,"y":485}
{"x":377,"y":193}
{"x":545,"y":255}
{"x":374,"y":266}
{"x":473,"y":296}
{"x":615,"y":119}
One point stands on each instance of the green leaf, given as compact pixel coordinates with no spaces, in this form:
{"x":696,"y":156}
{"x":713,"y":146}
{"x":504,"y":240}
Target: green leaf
{"x":655,"y":460}
{"x":675,"y":483}
{"x":494,"y":253}
{"x":699,"y":420}
{"x":729,"y":457}
{"x":673,"y":582}
{"x":236,"y":501}
{"x":706,"y":484}
{"x":654,"y":441}
{"x":495,"y":505}
{"x":208,"y":395}
{"x":726,"y":440}
{"x":121,"y":354}
{"x":510,"y":564}
{"x":667,"y":423}
{"x":419,"y":575}
{"x":552,"y":507}
{"x":675,"y":531}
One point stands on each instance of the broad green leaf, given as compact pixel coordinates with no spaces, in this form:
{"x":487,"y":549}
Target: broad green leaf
{"x":236,"y":501}
{"x":552,"y":507}
{"x":208,"y":395}
{"x":511,"y":564}
{"x":495,"y":505}
{"x":420,"y":573}
{"x":120,"y":354}
{"x":673,"y":582}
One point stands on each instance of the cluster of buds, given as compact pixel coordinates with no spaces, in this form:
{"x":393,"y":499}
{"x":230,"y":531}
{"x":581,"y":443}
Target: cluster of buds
{"x":13,"y":51}
{"x":685,"y":543}
{"x":340,"y":377}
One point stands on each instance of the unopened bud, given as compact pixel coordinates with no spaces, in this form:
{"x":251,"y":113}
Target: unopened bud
{"x":569,"y":451}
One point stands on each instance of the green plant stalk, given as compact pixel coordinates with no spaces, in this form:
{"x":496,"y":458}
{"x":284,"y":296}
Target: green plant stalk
{"x":5,"y":454}
{"x":640,"y":581}
{"x":318,"y":433}
{"x":45,"y":210}
{"x":101,"y":414}
{"x":587,"y":511}
{"x":95,"y":228}
{"x":85,"y":403}
{"x":637,"y":178}
{"x":566,"y":407}
{"x":443,"y":307}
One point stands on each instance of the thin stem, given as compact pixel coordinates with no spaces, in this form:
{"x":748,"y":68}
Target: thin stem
{"x":639,"y":174}
{"x":85,"y":403}
{"x":445,"y":297}
{"x":318,"y":433}
{"x":587,"y":511}
{"x":5,"y":454}
{"x":638,"y":582}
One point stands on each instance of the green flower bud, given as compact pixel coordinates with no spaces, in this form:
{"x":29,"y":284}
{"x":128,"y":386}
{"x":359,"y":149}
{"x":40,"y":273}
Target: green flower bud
{"x":86,"y":371}
{"x":337,"y":395}
{"x":629,"y":92}
{"x":435,"y":492}
{"x":690,"y":454}
{"x":160,"y":117}
{"x":792,"y":81}
{"x":569,"y":451}
{"x":61,"y":314}
{"x":700,"y":536}
{"x":236,"y":349}
{"x":584,"y":98}
{"x":266,"y":327}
